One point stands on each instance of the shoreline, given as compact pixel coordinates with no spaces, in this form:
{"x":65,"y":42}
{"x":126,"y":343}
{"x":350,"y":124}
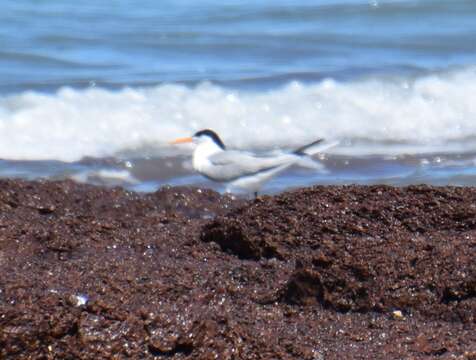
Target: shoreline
{"x":186,"y":273}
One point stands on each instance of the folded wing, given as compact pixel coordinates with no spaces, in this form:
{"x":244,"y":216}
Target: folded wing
{"x":230,"y":165}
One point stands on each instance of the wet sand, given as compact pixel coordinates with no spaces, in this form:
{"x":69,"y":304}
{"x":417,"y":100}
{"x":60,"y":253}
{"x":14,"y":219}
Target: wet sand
{"x":318,"y":273}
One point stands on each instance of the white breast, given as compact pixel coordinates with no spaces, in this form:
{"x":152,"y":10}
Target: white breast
{"x":202,"y":153}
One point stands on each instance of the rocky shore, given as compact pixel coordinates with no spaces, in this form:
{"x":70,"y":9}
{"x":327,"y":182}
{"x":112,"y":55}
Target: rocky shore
{"x":350,"y":272}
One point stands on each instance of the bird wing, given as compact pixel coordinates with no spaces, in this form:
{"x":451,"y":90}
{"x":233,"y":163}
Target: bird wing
{"x":230,"y":165}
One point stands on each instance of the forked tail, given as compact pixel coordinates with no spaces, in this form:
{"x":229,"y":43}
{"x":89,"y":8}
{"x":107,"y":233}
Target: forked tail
{"x":314,"y":147}
{"x":302,"y":149}
{"x":305,"y":152}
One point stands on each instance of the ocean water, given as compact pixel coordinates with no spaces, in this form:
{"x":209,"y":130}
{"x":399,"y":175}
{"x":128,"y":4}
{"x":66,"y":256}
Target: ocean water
{"x":95,"y":91}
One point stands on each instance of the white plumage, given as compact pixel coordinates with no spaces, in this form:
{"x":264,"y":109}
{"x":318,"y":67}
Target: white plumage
{"x":242,"y":169}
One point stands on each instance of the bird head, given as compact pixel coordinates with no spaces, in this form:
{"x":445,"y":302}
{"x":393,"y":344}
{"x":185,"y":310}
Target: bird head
{"x":206,"y":136}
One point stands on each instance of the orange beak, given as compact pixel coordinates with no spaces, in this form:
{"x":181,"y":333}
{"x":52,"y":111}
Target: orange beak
{"x":182,"y":140}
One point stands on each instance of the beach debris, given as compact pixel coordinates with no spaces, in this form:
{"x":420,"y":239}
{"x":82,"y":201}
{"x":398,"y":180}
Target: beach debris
{"x":398,"y":315}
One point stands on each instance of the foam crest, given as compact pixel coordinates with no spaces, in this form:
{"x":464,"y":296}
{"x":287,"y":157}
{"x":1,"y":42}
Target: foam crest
{"x":436,"y":111}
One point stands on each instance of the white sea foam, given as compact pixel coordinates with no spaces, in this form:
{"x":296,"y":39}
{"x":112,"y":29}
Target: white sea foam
{"x":105,"y":176}
{"x":435,"y":112}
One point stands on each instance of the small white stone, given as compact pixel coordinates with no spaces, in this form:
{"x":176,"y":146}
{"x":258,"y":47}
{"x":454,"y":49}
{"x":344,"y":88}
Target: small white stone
{"x":81,"y":300}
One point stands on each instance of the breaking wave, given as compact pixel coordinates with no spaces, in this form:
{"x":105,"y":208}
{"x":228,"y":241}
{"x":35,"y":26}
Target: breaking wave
{"x":435,"y":112}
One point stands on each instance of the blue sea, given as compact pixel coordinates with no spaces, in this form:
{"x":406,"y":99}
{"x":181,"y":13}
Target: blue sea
{"x":95,"y":90}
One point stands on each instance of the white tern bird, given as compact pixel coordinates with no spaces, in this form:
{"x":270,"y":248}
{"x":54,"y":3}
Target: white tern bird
{"x":243,"y":169}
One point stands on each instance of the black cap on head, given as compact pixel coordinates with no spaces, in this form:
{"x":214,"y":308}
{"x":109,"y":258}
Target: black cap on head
{"x":212,"y":135}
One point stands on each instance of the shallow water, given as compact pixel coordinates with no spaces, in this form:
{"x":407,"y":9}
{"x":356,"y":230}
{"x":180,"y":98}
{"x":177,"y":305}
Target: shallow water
{"x":95,"y":92}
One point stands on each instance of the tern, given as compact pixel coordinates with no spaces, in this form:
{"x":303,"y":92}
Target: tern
{"x":241,"y":169}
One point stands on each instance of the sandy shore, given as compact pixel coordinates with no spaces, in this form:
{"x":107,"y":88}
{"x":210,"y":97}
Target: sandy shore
{"x":318,"y":273}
